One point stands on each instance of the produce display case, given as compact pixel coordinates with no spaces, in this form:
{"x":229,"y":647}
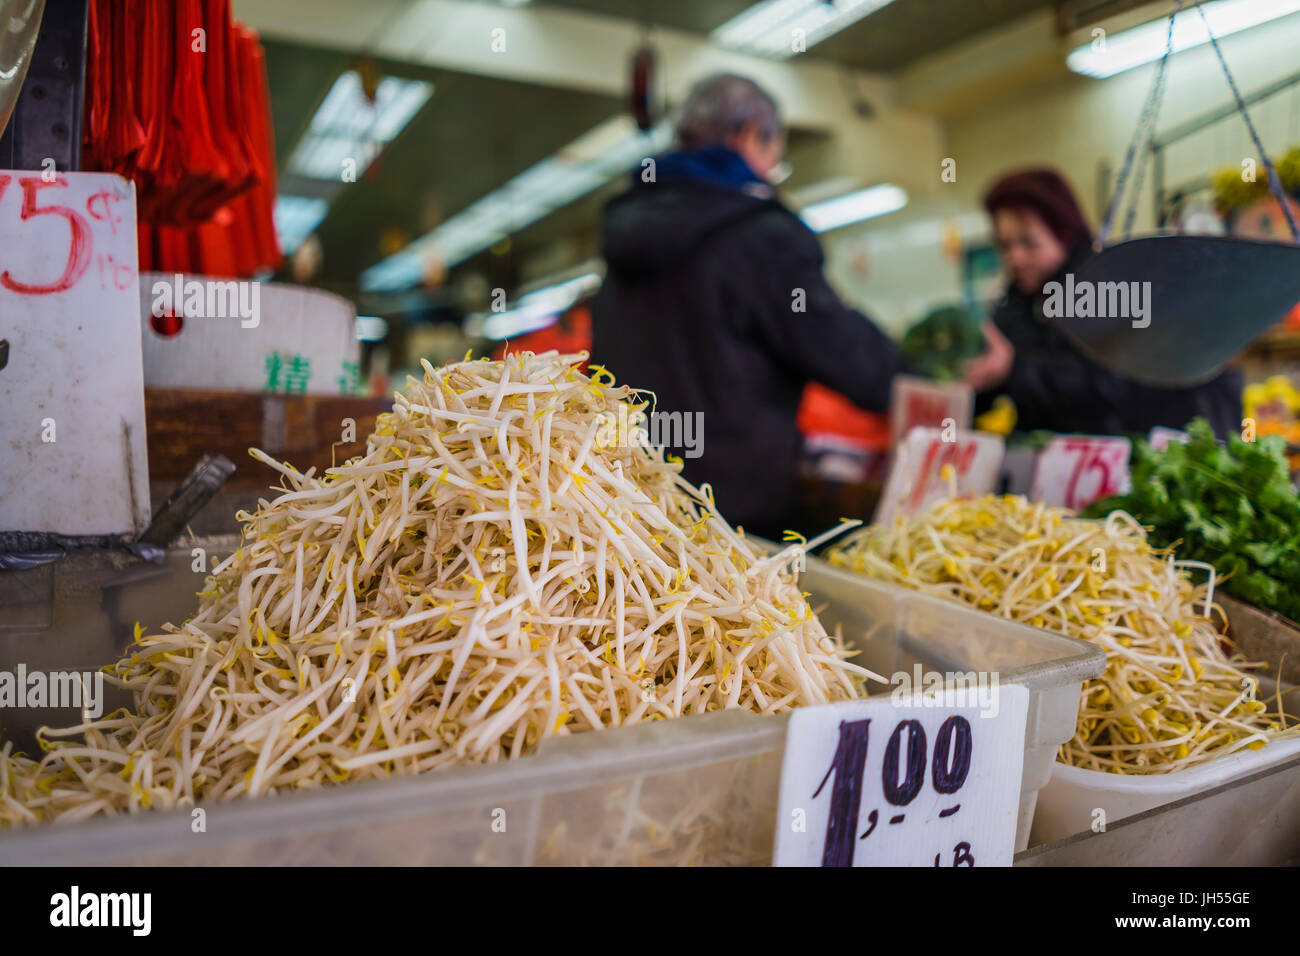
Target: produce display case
{"x":1069,"y":801}
{"x":700,"y":790}
{"x":1253,"y":820}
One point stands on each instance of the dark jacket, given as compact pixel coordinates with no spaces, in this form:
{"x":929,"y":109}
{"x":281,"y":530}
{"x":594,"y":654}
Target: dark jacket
{"x":714,"y":299}
{"x":1055,"y":386}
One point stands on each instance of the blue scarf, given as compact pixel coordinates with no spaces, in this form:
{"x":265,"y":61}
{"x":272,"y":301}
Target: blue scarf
{"x":718,"y":165}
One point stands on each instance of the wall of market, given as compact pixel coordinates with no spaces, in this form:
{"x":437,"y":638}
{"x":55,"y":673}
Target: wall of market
{"x":1031,"y":110}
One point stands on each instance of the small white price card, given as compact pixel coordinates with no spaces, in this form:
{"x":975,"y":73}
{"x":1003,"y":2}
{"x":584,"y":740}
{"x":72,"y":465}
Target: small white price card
{"x":918,"y":477}
{"x":919,"y":402}
{"x":1160,"y":437}
{"x":933,"y":780}
{"x":1073,"y":471}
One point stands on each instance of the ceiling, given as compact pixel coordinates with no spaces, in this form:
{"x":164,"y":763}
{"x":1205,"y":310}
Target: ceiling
{"x":886,"y":40}
{"x":450,"y":154}
{"x":445,"y":159}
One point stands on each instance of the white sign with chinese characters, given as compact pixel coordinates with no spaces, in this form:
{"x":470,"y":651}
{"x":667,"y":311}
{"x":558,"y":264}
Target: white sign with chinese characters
{"x":934,"y":781}
{"x":299,"y":341}
{"x":72,"y":436}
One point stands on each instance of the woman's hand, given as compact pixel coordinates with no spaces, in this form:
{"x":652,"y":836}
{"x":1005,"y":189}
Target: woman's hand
{"x":992,"y":368}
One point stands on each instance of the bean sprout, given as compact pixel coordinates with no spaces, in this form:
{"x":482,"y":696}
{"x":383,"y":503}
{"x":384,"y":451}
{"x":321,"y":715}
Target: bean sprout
{"x":1170,"y":697}
{"x":497,"y":568}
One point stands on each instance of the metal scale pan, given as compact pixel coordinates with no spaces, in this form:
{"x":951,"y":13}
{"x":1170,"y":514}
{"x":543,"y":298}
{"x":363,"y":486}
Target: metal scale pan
{"x":1209,"y":296}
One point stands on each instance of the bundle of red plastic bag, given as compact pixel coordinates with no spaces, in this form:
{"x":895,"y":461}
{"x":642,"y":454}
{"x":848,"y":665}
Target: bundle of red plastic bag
{"x":176,"y":100}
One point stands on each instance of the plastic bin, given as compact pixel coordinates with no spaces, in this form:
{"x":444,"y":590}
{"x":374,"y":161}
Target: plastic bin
{"x":700,"y":790}
{"x":1068,"y":803}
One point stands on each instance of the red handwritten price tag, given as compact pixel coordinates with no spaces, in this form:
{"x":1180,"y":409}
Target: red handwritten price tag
{"x":72,"y":389}
{"x":1073,"y":471}
{"x":932,"y":781}
{"x":920,"y":476}
{"x":921,"y":403}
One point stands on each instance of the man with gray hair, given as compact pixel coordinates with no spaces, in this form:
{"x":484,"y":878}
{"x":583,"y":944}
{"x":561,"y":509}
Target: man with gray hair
{"x":714,"y":299}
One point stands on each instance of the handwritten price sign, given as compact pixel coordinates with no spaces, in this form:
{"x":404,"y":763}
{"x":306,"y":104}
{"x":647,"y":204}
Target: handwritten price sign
{"x":921,"y":403}
{"x":68,"y":236}
{"x":1160,"y":437}
{"x":919,"y":474}
{"x":933,"y":782}
{"x":1073,"y":471}
{"x":72,"y":389}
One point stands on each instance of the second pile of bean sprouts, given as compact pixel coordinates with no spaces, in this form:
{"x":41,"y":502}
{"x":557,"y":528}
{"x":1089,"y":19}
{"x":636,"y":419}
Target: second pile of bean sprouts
{"x":1170,"y":697}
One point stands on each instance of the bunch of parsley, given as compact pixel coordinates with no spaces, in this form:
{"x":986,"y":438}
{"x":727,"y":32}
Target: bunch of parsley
{"x":1233,"y":507}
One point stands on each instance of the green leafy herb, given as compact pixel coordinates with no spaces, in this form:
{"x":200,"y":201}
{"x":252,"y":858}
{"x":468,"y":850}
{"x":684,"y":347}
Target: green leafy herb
{"x":1233,"y":507}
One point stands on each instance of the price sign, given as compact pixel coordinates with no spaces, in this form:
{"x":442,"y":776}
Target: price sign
{"x":1160,"y":437}
{"x":933,"y":781}
{"x":1073,"y":471}
{"x":72,"y":433}
{"x":919,"y":474}
{"x":921,"y":403}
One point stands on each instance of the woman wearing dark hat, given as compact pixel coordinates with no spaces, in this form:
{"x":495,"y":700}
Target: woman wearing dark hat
{"x":1041,"y":235}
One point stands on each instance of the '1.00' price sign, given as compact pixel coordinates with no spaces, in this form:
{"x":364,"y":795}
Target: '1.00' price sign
{"x":931,"y":782}
{"x":917,"y":477}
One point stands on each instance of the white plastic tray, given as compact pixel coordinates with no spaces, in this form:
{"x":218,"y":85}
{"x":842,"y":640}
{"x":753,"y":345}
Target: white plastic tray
{"x":1068,"y":804}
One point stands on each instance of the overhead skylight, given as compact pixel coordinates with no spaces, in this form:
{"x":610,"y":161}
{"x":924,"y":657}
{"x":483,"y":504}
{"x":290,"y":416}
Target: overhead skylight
{"x":348,"y":126}
{"x":296,"y":218}
{"x":1130,"y":48}
{"x":782,"y":28}
{"x":589,"y":162}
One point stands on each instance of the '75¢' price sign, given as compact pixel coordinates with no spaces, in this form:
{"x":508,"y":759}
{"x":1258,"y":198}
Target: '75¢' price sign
{"x":1073,"y":471}
{"x":932,"y":782}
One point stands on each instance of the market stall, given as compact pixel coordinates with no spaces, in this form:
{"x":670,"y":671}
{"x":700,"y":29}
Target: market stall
{"x":286,"y":583}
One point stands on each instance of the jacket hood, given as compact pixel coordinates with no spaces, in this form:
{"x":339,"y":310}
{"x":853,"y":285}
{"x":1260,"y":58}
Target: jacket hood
{"x":654,"y":226}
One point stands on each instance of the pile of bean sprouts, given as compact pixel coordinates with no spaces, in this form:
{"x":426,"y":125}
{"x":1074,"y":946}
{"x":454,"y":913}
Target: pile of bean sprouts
{"x":500,"y":566}
{"x":1170,"y":697}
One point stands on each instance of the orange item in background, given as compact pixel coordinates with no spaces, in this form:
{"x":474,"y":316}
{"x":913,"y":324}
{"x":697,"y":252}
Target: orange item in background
{"x":571,"y":333}
{"x":826,"y":412}
{"x":1292,"y":321}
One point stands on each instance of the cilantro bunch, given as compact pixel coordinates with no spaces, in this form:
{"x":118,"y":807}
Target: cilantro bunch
{"x":1233,"y":507}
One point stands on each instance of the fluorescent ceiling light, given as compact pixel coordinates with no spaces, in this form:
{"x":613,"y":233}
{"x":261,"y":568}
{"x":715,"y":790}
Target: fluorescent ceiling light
{"x":533,"y":311}
{"x":371,"y":328}
{"x":347,"y":125}
{"x":853,"y":207}
{"x":1143,"y":44}
{"x":296,"y":218}
{"x":769,"y":28}
{"x":597,"y":157}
